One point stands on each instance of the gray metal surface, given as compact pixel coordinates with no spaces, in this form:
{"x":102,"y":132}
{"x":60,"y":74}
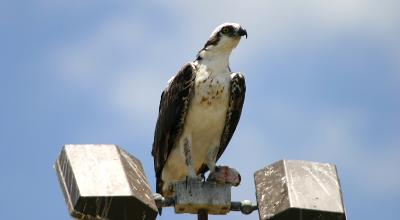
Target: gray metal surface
{"x":245,"y":206}
{"x":196,"y":195}
{"x":104,"y":182}
{"x":290,"y":189}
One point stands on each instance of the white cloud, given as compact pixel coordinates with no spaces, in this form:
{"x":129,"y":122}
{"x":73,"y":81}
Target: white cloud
{"x":112,"y":47}
{"x":334,"y":137}
{"x":109,"y":56}
{"x":276,"y":21}
{"x":98,"y":54}
{"x":338,"y":138}
{"x":113,"y":59}
{"x":136,"y":95}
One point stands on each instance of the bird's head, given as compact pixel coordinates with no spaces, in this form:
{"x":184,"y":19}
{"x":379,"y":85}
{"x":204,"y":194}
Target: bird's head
{"x":223,"y":39}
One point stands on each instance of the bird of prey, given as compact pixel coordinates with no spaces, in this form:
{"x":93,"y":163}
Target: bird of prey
{"x":199,"y":111}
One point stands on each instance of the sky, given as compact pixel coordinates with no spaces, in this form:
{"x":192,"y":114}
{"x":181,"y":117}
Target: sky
{"x":323,"y":84}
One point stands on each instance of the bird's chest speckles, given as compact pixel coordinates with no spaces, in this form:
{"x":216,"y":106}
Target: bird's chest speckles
{"x":211,"y":90}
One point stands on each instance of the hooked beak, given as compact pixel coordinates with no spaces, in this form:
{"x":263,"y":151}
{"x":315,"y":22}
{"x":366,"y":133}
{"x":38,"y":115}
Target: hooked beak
{"x":242,"y":32}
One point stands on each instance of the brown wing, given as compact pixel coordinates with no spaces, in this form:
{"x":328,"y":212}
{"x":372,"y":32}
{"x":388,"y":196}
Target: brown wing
{"x":172,"y":112}
{"x":236,"y":100}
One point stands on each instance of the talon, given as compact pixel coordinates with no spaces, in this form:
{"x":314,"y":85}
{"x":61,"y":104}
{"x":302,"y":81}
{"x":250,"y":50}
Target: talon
{"x":203,"y":177}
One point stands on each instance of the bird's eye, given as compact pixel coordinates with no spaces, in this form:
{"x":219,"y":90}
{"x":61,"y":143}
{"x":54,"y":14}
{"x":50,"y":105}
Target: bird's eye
{"x":225,"y":30}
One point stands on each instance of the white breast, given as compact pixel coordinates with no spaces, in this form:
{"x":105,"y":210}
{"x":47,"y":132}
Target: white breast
{"x":205,"y":120}
{"x":204,"y":124}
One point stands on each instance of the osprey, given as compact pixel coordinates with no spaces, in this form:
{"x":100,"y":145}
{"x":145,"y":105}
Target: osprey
{"x":199,"y":111}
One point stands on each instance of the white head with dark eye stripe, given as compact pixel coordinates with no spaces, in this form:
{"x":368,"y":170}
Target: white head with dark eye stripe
{"x":232,"y":30}
{"x":223,"y":39}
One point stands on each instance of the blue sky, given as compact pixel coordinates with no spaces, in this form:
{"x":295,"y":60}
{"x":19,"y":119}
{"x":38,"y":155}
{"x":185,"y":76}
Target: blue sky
{"x":323,"y":84}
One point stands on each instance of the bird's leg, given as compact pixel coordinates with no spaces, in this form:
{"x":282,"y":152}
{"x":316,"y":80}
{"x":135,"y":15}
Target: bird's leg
{"x":214,"y":176}
{"x":211,"y":159}
{"x":187,"y":148}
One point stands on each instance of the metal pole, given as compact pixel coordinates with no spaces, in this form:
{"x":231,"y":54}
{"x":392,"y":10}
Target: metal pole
{"x":202,"y":214}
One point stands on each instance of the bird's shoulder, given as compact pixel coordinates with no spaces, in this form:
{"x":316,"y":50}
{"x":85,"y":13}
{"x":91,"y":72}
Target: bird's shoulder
{"x":185,"y":74}
{"x":172,"y":111}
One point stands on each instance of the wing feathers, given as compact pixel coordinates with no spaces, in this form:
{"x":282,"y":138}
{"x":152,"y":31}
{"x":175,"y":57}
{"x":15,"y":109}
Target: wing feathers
{"x":236,"y":100}
{"x":172,"y":112}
